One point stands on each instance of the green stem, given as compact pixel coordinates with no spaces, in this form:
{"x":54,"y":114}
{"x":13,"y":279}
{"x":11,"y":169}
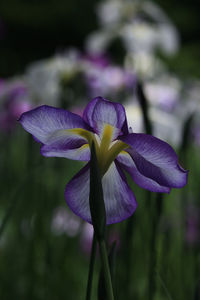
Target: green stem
{"x":91,"y":268}
{"x":128,"y":256}
{"x":144,"y":107}
{"x":164,"y":287}
{"x":157,"y":209}
{"x":106,"y":269}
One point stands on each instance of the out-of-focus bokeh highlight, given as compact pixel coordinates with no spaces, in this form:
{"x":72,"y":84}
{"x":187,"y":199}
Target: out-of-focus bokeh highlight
{"x":64,"y":54}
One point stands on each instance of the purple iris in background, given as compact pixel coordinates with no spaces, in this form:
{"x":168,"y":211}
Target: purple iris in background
{"x":151,"y":163}
{"x":14,"y":100}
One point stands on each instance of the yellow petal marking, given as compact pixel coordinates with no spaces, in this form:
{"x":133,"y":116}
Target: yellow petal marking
{"x":117,"y":148}
{"x":106,"y":153}
{"x":88,"y":135}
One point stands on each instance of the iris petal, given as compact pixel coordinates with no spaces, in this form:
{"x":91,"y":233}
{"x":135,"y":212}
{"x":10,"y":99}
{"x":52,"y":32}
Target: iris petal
{"x":129,"y":166}
{"x":43,"y":121}
{"x":119,"y":200}
{"x":82,"y":153}
{"x":77,"y":193}
{"x":155,"y":159}
{"x":53,"y":127}
{"x":101,"y":111}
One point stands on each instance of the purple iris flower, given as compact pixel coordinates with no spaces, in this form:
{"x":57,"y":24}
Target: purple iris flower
{"x":99,"y":60}
{"x":151,"y":163}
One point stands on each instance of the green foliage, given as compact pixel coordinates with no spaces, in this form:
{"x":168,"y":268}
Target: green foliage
{"x":35,"y":263}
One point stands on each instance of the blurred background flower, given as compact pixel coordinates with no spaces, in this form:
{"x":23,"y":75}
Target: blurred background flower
{"x":14,"y":100}
{"x":64,"y":221}
{"x":192,"y":230}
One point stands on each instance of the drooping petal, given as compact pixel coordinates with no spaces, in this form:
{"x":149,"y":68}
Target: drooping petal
{"x":155,"y":159}
{"x":44,"y":121}
{"x":119,"y":200}
{"x":53,"y":127}
{"x":129,"y":166}
{"x":82,"y":153}
{"x":100,"y":112}
{"x":77,"y":193}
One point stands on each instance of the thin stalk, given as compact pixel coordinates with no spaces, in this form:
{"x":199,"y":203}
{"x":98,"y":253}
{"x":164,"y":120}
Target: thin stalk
{"x":144,"y":107}
{"x":153,"y":259}
{"x":91,"y":268}
{"x":164,"y":287}
{"x":106,"y":269}
{"x":15,"y":198}
{"x":8,"y":215}
{"x":128,"y":255}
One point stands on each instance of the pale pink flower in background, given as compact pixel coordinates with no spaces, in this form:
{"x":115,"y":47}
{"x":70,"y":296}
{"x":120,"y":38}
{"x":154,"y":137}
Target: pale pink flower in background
{"x":14,"y":100}
{"x":192,"y":229}
{"x":86,"y":237}
{"x":64,"y":222}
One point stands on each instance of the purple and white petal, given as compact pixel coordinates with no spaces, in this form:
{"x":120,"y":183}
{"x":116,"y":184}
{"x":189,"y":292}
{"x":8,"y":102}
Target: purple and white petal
{"x":155,"y":159}
{"x":100,"y":112}
{"x":77,"y":193}
{"x":45,"y":122}
{"x":129,"y":166}
{"x":119,"y":200}
{"x":82,"y":153}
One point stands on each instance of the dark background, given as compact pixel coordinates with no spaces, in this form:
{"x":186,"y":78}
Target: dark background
{"x":35,"y":29}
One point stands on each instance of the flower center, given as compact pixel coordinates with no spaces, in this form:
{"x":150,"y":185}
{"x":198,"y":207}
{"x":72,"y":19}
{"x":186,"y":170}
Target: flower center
{"x":106,"y":150}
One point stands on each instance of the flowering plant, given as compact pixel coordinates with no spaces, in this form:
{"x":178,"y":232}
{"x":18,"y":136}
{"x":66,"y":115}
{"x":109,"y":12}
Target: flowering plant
{"x":152,"y":163}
